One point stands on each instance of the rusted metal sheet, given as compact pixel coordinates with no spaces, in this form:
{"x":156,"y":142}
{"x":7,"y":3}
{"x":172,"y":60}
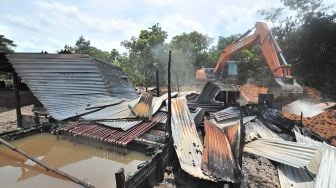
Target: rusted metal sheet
{"x":67,"y":84}
{"x":233,"y":135}
{"x":144,"y":106}
{"x":285,"y":152}
{"x":227,"y":113}
{"x":109,"y":136}
{"x":187,"y":144}
{"x":217,"y":158}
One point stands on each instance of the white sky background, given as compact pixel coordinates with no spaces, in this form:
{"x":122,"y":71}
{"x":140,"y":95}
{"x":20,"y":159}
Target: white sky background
{"x":37,"y":25}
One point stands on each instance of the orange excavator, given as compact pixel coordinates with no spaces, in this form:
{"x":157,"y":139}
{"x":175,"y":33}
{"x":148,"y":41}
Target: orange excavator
{"x":284,"y":84}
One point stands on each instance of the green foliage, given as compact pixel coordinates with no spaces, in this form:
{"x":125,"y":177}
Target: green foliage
{"x":6,"y":45}
{"x":145,"y":55}
{"x":190,"y":52}
{"x":308,"y":41}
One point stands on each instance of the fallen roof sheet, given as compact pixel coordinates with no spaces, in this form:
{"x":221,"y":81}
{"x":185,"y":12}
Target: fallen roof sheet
{"x":285,"y":152}
{"x":217,"y":158}
{"x":67,"y":84}
{"x":323,"y":164}
{"x":326,"y":174}
{"x":255,"y":129}
{"x":123,"y":124}
{"x":143,"y":108}
{"x":291,"y":177}
{"x":233,"y":134}
{"x":187,"y":144}
{"x":227,"y":113}
{"x":211,"y":89}
{"x":109,"y":135}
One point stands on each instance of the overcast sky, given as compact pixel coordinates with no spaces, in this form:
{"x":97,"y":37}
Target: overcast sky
{"x":37,"y":25}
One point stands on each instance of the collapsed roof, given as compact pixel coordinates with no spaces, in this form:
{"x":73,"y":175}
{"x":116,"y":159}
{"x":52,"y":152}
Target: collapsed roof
{"x":69,"y":85}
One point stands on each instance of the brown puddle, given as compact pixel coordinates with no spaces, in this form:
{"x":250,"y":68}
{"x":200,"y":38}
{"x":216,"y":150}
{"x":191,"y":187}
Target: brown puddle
{"x":94,"y":165}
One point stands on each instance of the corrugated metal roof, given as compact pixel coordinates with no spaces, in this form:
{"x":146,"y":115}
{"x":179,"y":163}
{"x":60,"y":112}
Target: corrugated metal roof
{"x":233,"y":134}
{"x":256,"y":129}
{"x":323,"y":164}
{"x":217,"y":158}
{"x":123,"y":124}
{"x":326,"y":176}
{"x":291,"y":177}
{"x":187,"y":144}
{"x":285,"y":152}
{"x":227,"y":113}
{"x":144,"y":106}
{"x":110,"y":136}
{"x":67,"y":84}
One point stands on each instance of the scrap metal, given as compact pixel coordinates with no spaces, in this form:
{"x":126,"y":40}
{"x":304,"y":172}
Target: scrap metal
{"x":294,"y":177}
{"x":106,"y":135}
{"x":323,"y":164}
{"x":66,"y":84}
{"x":187,"y":144}
{"x":233,"y":135}
{"x":144,"y":106}
{"x":256,"y":129}
{"x":227,"y":113}
{"x":285,"y":152}
{"x":217,"y":158}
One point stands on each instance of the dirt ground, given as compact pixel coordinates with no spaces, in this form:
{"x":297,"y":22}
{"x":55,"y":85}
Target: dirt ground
{"x":258,"y":172}
{"x":8,"y":118}
{"x":323,"y":124}
{"x":251,"y":91}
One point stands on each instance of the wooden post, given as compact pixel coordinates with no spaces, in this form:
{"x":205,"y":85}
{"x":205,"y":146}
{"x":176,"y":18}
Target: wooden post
{"x":157,"y":83}
{"x":177,"y":83}
{"x":61,"y":173}
{"x":170,"y":142}
{"x":17,"y":99}
{"x":159,"y":167}
{"x":120,"y":178}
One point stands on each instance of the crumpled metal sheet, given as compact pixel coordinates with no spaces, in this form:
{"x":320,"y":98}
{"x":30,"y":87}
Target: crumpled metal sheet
{"x":123,"y":124}
{"x":144,"y":106}
{"x":233,"y":134}
{"x":211,"y":89}
{"x":67,"y":84}
{"x":227,"y":113}
{"x":217,"y":158}
{"x":291,"y":177}
{"x":255,"y":129}
{"x":187,"y":143}
{"x":323,"y":164}
{"x":326,"y":174}
{"x":285,"y":152}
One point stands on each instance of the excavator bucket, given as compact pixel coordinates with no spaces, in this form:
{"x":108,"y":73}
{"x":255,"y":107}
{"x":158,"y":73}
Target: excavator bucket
{"x":282,"y":87}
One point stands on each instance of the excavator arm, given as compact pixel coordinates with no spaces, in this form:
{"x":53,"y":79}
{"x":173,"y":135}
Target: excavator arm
{"x":269,"y":47}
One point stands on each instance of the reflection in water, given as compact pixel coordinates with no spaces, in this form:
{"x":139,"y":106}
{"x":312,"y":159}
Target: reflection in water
{"x":96,"y":166}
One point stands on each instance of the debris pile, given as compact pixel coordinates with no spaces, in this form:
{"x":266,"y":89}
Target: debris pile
{"x":250,"y":92}
{"x":323,"y":124}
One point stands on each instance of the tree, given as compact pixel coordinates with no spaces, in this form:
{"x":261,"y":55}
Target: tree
{"x":145,"y":52}
{"x":6,"y":45}
{"x":82,"y":46}
{"x":190,"y":52}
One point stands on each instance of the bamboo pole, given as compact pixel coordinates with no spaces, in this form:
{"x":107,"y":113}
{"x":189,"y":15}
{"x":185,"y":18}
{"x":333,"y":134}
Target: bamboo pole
{"x":61,"y":173}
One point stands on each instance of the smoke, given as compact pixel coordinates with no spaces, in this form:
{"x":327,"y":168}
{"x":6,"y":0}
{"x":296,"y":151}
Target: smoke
{"x":307,"y":107}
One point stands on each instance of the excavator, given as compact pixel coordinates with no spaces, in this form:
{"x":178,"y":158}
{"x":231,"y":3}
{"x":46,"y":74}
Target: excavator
{"x":283,"y":85}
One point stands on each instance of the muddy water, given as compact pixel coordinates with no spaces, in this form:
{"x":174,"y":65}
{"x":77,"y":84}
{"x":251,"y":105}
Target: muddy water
{"x":96,"y":166}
